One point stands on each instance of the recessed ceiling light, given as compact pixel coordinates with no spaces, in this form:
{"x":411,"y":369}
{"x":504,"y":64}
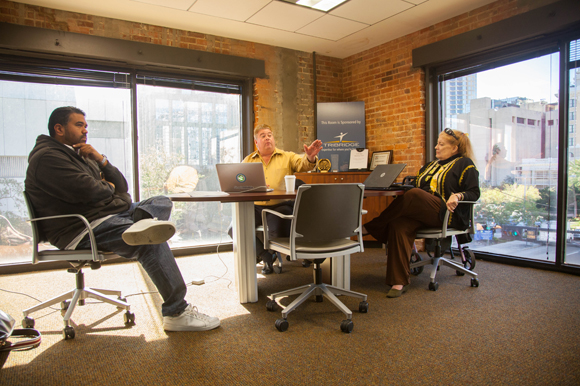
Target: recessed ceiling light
{"x":322,"y":5}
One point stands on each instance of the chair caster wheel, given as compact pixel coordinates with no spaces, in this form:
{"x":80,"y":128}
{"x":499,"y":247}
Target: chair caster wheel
{"x":415,"y":258}
{"x":433,"y":286}
{"x":271,"y":305}
{"x":469,"y":258}
{"x":474,"y":283}
{"x":277,"y":269}
{"x":306,"y":263}
{"x":363,"y":307}
{"x":281,"y":325}
{"x":28,"y":322}
{"x":64,"y":305}
{"x":346,"y":326}
{"x":68,"y":333}
{"x":129,"y":318}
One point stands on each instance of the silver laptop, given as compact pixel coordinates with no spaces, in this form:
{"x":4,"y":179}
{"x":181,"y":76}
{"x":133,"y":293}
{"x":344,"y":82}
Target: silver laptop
{"x":242,"y":178}
{"x":383,"y":177}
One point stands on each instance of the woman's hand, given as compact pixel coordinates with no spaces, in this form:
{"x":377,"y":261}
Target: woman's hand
{"x":454,"y":201}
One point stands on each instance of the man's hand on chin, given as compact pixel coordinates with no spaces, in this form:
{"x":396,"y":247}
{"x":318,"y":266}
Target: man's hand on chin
{"x":88,"y":151}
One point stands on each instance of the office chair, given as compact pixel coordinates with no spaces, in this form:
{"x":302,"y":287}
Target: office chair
{"x":442,"y":241}
{"x":78,"y":260}
{"x":325,"y":218}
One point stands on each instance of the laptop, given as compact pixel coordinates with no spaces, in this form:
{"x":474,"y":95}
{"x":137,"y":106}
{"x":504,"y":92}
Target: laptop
{"x":242,"y":178}
{"x":383,"y":177}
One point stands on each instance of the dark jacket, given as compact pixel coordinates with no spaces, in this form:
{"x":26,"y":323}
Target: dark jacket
{"x":59,"y":181}
{"x":458,"y":175}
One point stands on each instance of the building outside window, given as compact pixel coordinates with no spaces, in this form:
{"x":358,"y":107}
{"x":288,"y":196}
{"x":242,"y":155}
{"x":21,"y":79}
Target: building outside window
{"x":514,"y":127}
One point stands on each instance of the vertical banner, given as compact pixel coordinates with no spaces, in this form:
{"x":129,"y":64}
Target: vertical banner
{"x":341,"y":128}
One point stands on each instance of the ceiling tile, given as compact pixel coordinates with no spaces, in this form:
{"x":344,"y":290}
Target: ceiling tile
{"x":285,"y":16}
{"x":229,"y":9}
{"x":371,"y":11}
{"x":332,"y":27}
{"x":177,"y":4}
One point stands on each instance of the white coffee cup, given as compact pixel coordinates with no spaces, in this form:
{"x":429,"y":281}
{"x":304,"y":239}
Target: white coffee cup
{"x":290,"y":182}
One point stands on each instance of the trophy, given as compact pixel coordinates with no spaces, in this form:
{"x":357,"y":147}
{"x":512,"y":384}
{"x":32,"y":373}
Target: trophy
{"x":324,"y":165}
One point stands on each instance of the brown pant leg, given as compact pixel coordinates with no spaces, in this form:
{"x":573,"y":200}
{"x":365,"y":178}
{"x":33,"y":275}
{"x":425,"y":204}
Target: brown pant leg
{"x":417,"y":210}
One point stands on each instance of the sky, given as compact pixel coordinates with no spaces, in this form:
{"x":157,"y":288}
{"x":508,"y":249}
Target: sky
{"x":535,"y":79}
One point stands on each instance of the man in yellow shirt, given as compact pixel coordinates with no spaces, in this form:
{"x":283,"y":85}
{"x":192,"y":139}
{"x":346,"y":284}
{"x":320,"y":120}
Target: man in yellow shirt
{"x":277,"y":164}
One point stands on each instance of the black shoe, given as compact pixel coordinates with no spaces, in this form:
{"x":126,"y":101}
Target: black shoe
{"x":267,"y":269}
{"x":268,"y":263}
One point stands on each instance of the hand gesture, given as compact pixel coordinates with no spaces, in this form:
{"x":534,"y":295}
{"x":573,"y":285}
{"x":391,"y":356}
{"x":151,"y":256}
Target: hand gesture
{"x":87,"y":151}
{"x":313,"y":150}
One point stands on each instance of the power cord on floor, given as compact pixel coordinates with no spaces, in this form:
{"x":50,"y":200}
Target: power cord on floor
{"x":217,"y":251}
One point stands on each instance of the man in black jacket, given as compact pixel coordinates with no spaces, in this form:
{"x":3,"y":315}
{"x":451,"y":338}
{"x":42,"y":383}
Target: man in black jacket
{"x":66,"y":175}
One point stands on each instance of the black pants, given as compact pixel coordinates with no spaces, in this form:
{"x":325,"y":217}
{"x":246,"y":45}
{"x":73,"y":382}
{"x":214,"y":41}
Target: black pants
{"x":277,"y":227}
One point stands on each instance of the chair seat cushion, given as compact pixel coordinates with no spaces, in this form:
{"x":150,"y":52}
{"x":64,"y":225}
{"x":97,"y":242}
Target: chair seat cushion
{"x":313,"y":247}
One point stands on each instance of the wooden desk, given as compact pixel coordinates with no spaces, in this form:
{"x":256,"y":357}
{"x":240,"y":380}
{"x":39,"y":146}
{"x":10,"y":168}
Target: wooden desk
{"x":244,"y":236}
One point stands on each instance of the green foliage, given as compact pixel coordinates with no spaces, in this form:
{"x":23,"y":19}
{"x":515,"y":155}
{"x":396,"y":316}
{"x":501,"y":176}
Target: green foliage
{"x":574,"y":174}
{"x":511,"y":204}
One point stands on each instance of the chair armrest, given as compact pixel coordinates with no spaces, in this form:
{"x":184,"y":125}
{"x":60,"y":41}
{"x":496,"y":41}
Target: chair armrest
{"x":87,"y":225}
{"x":265,"y":223}
{"x":446,"y":218}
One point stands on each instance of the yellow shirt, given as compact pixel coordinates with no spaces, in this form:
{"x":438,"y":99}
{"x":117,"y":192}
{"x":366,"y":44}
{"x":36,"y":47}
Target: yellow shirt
{"x":282,"y":163}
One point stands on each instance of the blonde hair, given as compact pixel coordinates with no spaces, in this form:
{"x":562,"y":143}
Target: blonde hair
{"x":261,"y":127}
{"x":462,"y":142}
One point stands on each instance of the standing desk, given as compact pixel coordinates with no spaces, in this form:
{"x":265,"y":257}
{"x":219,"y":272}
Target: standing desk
{"x":244,"y":237}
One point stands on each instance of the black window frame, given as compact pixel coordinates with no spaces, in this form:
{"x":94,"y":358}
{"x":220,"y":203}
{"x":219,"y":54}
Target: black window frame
{"x":554,"y":27}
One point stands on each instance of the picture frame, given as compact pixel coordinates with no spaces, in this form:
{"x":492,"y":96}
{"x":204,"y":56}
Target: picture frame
{"x":381,"y":158}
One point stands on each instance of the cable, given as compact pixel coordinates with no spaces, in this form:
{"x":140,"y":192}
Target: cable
{"x":217,"y":251}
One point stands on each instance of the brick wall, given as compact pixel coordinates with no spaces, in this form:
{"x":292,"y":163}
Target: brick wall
{"x":382,"y":77}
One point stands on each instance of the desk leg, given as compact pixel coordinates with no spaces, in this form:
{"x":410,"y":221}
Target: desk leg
{"x":244,"y":232}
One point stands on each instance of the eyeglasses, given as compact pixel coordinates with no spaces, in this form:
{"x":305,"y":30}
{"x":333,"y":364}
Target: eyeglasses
{"x":451,"y":133}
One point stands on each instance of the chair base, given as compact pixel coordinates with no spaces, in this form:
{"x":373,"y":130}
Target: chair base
{"x":69,"y":300}
{"x":327,"y":291}
{"x":436,"y":262}
{"x":79,"y":295}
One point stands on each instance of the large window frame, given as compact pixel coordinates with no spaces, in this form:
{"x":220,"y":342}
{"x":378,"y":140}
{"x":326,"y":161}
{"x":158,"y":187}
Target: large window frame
{"x":174,"y":67}
{"x":554,"y":26}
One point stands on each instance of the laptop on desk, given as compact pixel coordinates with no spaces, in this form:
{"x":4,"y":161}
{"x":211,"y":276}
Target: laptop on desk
{"x":383,"y":177}
{"x":242,"y":178}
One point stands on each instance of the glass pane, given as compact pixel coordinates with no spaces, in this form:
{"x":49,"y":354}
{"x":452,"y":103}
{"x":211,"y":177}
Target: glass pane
{"x":511,"y":116}
{"x":182,"y":135}
{"x":572,"y":255}
{"x":24,"y":112}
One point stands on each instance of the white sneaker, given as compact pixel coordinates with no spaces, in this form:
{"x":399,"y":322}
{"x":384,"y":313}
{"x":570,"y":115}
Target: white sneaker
{"x":190,"y":320}
{"x":149,"y":231}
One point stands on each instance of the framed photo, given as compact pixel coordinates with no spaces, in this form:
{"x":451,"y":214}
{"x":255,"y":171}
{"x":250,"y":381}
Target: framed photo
{"x":381,"y":158}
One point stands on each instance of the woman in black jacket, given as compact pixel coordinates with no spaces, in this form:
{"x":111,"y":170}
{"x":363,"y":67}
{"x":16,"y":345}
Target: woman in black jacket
{"x":440,"y":184}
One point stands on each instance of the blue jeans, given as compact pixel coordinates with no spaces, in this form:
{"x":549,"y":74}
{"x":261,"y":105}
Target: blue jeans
{"x":156,"y":259}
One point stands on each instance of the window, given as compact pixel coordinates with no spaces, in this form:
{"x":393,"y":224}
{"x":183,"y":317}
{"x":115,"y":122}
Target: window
{"x":521,"y":121}
{"x":186,"y":125}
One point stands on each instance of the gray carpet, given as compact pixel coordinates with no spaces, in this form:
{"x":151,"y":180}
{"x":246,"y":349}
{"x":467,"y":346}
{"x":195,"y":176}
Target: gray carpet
{"x":520,"y":327}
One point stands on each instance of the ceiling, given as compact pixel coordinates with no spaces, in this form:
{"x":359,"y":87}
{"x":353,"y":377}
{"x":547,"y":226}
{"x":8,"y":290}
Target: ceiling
{"x":352,"y":27}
